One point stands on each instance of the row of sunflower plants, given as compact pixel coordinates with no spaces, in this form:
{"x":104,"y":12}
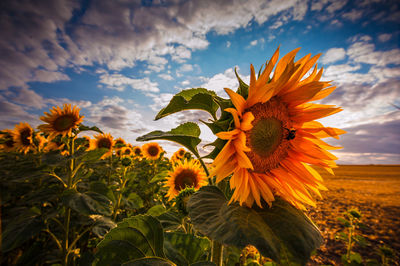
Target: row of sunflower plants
{"x":61,"y":192}
{"x":247,"y":207}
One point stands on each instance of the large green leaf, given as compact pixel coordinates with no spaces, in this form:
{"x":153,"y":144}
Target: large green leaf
{"x":86,"y":128}
{"x":149,"y":261}
{"x":102,"y":188}
{"x":171,"y":220}
{"x":20,"y":230}
{"x":281,"y":232}
{"x":190,"y":247}
{"x":186,"y":134}
{"x":87,"y":203}
{"x":135,"y":237}
{"x":190,"y":99}
{"x":101,"y":225}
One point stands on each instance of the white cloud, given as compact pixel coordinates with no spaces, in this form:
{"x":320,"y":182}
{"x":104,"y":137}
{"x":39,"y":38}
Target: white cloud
{"x":253,"y":43}
{"x":220,"y":81}
{"x":333,"y":55}
{"x":353,"y":15}
{"x":228,"y":44}
{"x":384,"y":37}
{"x":363,"y":52}
{"x":119,"y":82}
{"x":186,"y":68}
{"x":185,"y":82}
{"x":166,"y":76}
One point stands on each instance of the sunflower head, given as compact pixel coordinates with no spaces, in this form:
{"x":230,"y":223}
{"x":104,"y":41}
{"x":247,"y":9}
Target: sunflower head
{"x":180,"y":153}
{"x":8,"y":143}
{"x":119,"y":143}
{"x":183,"y":198}
{"x":185,"y":174}
{"x":127,"y":151}
{"x":22,"y":136}
{"x":102,"y":141}
{"x":274,"y":138}
{"x":61,"y":121}
{"x":151,"y":151}
{"x":56,"y":144}
{"x":40,"y":141}
{"x":137,"y":151}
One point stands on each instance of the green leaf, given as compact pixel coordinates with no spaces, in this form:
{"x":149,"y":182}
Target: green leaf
{"x":87,"y":203}
{"x":161,"y":176}
{"x":343,"y":221}
{"x":192,"y":248}
{"x":102,"y":188}
{"x":135,"y":237}
{"x":200,"y":99}
{"x":101,"y":225}
{"x":134,"y":201}
{"x":186,"y":134}
{"x":170,"y":220}
{"x":86,"y":128}
{"x":20,"y":230}
{"x":156,"y":210}
{"x":94,"y":155}
{"x":149,"y":261}
{"x":281,"y":232}
{"x":356,"y":257}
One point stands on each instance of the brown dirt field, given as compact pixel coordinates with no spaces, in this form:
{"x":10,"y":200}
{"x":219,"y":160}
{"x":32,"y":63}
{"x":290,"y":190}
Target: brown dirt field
{"x":375,"y":191}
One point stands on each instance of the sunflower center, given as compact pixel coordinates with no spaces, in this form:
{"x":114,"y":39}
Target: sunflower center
{"x":127,"y":152}
{"x":104,"y":143}
{"x":24,"y":136}
{"x":181,"y":153}
{"x":267,"y":137}
{"x":186,"y":178}
{"x":64,"y":122}
{"x":138,"y":151}
{"x":153,"y":150}
{"x":9,"y":143}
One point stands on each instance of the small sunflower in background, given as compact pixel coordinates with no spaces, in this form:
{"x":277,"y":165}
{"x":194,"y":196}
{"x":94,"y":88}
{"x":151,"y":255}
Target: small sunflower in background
{"x":56,"y":145}
{"x":151,"y":151}
{"x":275,"y":137}
{"x":40,"y":142}
{"x":22,"y":137}
{"x":179,"y":153}
{"x":185,"y":174}
{"x":126,"y":151}
{"x":8,"y":143}
{"x":137,"y":151}
{"x":120,"y":142}
{"x":61,"y":121}
{"x":102,"y":141}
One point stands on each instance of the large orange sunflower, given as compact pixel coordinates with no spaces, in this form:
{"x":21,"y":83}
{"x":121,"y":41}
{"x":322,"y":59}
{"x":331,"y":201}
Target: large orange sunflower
{"x":61,"y":121}
{"x":102,"y":141}
{"x":185,"y":174}
{"x":151,"y":150}
{"x":275,"y":137}
{"x":22,"y":137}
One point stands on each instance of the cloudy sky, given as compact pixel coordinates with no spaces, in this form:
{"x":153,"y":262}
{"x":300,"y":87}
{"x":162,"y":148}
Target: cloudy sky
{"x":122,"y":61}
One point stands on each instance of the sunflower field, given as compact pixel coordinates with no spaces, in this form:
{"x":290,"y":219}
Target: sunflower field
{"x":70,"y":199}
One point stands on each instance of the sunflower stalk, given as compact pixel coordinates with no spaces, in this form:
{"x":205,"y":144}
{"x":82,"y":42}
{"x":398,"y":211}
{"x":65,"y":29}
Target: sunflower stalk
{"x":123,"y":182}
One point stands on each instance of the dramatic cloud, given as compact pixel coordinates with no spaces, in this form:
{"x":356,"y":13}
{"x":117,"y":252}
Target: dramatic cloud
{"x":227,"y":79}
{"x":119,"y":82}
{"x":333,"y":55}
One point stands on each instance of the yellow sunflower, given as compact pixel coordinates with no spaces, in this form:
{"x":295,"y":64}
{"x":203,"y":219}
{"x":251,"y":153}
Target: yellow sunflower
{"x":102,"y":141}
{"x":120,"y":142}
{"x":137,"y":151}
{"x":22,"y":136}
{"x":61,"y":121}
{"x":56,"y":145}
{"x":179,"y":153}
{"x":9,"y":143}
{"x":275,"y":137}
{"x":126,"y":151}
{"x":40,"y":141}
{"x":151,"y":150}
{"x":185,"y":174}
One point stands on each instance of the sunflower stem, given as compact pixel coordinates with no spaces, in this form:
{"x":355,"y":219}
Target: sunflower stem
{"x":216,"y":253}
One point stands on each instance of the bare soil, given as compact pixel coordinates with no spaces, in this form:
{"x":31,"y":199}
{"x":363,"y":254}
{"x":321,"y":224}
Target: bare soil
{"x":375,"y":191}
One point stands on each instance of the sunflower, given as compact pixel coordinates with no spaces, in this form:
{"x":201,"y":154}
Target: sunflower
{"x":102,"y":141}
{"x":8,"y":142}
{"x":137,"y":151}
{"x":22,"y":137}
{"x":40,"y":142}
{"x":61,"y":121}
{"x":275,"y":137}
{"x":120,"y":142}
{"x":185,"y":174}
{"x":56,"y":145}
{"x":151,"y":150}
{"x":180,"y":153}
{"x":126,"y":151}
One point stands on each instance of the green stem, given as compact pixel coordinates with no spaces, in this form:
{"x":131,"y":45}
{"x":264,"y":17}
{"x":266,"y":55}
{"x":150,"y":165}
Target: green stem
{"x":67,"y":209}
{"x":350,"y":240}
{"x":122,"y":183}
{"x":216,"y":253}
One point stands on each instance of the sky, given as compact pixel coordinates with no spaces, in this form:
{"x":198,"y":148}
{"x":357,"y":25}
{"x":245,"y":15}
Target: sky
{"x":122,"y":61}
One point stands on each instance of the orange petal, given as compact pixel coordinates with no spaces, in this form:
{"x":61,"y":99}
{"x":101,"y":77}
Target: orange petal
{"x":238,"y":101}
